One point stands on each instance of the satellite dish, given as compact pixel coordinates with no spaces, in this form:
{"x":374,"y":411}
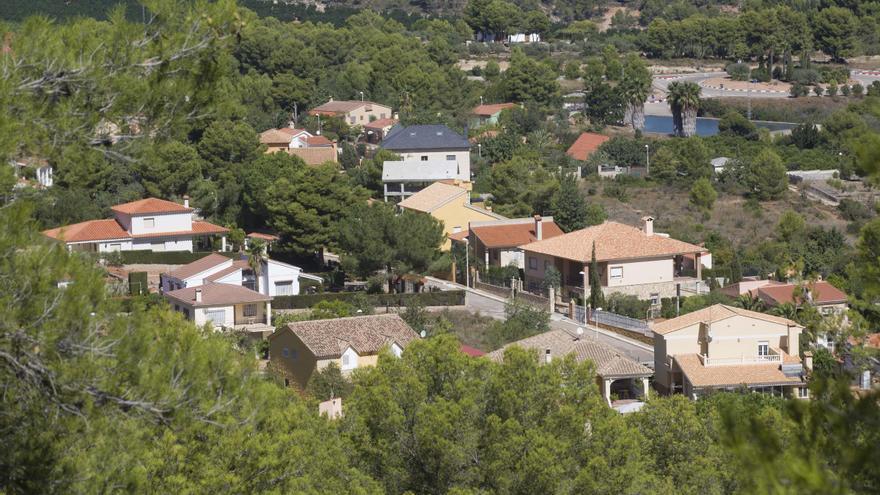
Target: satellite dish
{"x":423,"y":333}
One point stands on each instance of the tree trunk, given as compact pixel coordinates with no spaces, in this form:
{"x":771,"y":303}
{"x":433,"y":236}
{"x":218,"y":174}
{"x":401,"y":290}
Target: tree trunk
{"x":628,"y":115}
{"x":676,"y":121}
{"x":638,"y":116}
{"x":690,"y":122}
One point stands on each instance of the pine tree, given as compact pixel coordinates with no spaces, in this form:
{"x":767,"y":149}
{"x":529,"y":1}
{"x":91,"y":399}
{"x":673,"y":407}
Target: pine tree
{"x":569,"y":206}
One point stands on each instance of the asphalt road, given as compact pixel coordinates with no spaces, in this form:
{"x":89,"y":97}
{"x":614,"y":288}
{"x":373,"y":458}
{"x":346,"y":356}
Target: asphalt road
{"x":661,"y":82}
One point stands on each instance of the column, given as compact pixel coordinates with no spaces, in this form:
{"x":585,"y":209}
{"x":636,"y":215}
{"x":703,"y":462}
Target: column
{"x":645,"y":388}
{"x":698,"y":266}
{"x":269,"y":313}
{"x":608,"y":391}
{"x":223,"y":243}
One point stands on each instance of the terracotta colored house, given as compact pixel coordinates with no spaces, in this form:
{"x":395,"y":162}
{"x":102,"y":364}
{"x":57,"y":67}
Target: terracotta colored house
{"x":488,"y":114}
{"x":585,"y":145}
{"x":354,"y":112}
{"x":301,"y":348}
{"x":725,"y":348}
{"x":631,"y":260}
{"x":314,"y":150}
{"x":499,"y":242}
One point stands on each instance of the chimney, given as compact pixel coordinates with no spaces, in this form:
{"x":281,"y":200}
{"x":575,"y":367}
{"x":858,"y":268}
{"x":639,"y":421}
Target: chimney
{"x":198,"y":295}
{"x":547,"y":356}
{"x":185,"y":201}
{"x":539,"y":228}
{"x":808,"y":360}
{"x":395,"y":116}
{"x":648,"y":225}
{"x":331,"y":98}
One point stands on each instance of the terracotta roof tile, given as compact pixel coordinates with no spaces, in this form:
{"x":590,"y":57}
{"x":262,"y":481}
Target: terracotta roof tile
{"x":585,"y":145}
{"x":365,"y":334}
{"x":713,"y":314}
{"x":432,"y":197}
{"x":490,"y":110}
{"x":318,"y":141}
{"x":275,"y":136}
{"x":821,"y":293}
{"x":341,"y":106}
{"x":732,"y":375}
{"x":514,"y":233}
{"x":150,"y":205}
{"x":198,"y":228}
{"x":217,"y":295}
{"x":263,"y":237}
{"x":471,"y":351}
{"x":380,"y":123}
{"x":200,"y":265}
{"x":614,"y":241}
{"x":91,"y":230}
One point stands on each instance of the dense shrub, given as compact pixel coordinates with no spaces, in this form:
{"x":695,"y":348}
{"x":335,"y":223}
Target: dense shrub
{"x":805,"y":76}
{"x":738,"y":72}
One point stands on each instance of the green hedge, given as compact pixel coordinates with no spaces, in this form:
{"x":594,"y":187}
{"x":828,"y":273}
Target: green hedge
{"x":163,"y":258}
{"x":444,"y":298}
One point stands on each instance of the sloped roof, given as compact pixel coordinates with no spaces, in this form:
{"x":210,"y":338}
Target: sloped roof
{"x":150,"y":205}
{"x":490,"y":110}
{"x":263,"y":237}
{"x":275,"y":136}
{"x":614,"y":241}
{"x":237,"y":265}
{"x":425,"y":137}
{"x":820,"y":293}
{"x":432,"y":197}
{"x":585,"y":145}
{"x":328,"y":339}
{"x":342,"y":106}
{"x":608,"y":361}
{"x":214,"y":294}
{"x":732,"y":375}
{"x":471,"y":351}
{"x":91,"y":230}
{"x":380,"y":123}
{"x":198,"y":266}
{"x":198,"y":227}
{"x":515,"y":232}
{"x":417,"y":170}
{"x":713,"y":314}
{"x":318,"y":141}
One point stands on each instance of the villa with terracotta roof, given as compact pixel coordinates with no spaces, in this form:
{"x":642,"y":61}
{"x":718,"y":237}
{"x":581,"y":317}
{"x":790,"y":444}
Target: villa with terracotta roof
{"x":224,"y":305}
{"x":314,"y":150}
{"x":451,"y":205}
{"x":825,"y":297}
{"x":726,"y":348}
{"x":585,"y":145}
{"x":354,"y":112}
{"x":488,"y":114}
{"x":631,"y":260}
{"x":378,"y":129}
{"x":149,"y":224}
{"x":301,"y":348}
{"x":499,"y":242}
{"x":616,"y":375}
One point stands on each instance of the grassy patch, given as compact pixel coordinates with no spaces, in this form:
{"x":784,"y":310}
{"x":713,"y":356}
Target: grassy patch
{"x":471,"y":328}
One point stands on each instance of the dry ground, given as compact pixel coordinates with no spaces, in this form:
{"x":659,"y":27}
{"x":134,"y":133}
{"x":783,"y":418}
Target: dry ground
{"x":471,"y":329}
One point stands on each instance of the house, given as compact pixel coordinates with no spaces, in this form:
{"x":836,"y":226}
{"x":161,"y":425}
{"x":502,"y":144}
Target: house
{"x":719,"y":163}
{"x":726,"y":348}
{"x":499,"y":242}
{"x":378,"y":129}
{"x":314,"y":150}
{"x":354,"y":112}
{"x":585,"y":145}
{"x":488,"y":114}
{"x":451,"y":205}
{"x":826,"y":298}
{"x":148,"y":224}
{"x":616,"y":375}
{"x":631,"y":260}
{"x":224,"y":305}
{"x":42,"y":172}
{"x":401,"y":179}
{"x":431,"y":146}
{"x":301,"y":348}
{"x":276,"y":278}
{"x":268,"y":240}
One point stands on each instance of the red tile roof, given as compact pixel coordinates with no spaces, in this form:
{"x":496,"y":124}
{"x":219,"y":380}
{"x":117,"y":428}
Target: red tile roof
{"x":91,"y":230}
{"x":217,"y":295}
{"x":200,"y":265}
{"x":150,"y":205}
{"x":318,"y":141}
{"x":381,"y":123}
{"x":515,"y":234}
{"x":471,"y":351}
{"x":585,"y":145}
{"x":490,"y":110}
{"x":821,"y":292}
{"x":263,"y":237}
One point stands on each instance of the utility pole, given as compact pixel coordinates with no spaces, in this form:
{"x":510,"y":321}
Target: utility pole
{"x":647,"y":162}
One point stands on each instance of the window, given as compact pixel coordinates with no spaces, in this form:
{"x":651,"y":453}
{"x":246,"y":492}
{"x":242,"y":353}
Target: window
{"x":149,"y":223}
{"x":216,"y":316}
{"x":382,"y":115}
{"x":450,"y":158}
{"x":424,"y":158}
{"x":186,"y":313}
{"x":284,"y":288}
{"x":346,"y":360}
{"x":803,"y":392}
{"x":115,"y":247}
{"x":617,"y":272}
{"x":533,"y":263}
{"x":285,"y":352}
{"x":763,"y":348}
{"x":546,"y":265}
{"x":362,"y":118}
{"x":655,"y":299}
{"x":353,"y":120}
{"x":249,"y":310}
{"x":456,"y":229}
{"x":176,"y":307}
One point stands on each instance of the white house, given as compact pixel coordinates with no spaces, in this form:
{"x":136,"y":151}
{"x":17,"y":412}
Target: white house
{"x":276,"y":279}
{"x":149,"y":224}
{"x":431,"y":143}
{"x":224,"y":306}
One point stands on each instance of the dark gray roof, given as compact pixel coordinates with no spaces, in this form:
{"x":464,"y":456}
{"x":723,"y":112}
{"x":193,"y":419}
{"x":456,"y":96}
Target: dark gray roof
{"x":425,"y":137}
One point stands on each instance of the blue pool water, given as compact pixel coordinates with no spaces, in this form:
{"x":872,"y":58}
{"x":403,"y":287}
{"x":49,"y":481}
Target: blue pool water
{"x":658,"y":124}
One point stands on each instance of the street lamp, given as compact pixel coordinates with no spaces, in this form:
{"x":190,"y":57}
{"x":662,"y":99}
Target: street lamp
{"x":362,"y":95}
{"x":480,"y":149}
{"x":584,"y":273}
{"x":647,"y":162}
{"x":597,"y":322}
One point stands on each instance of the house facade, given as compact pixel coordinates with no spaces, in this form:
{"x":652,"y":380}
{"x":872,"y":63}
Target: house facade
{"x":377,"y":130}
{"x":631,"y":260}
{"x":148,"y":224}
{"x":300,"y":349}
{"x":488,"y":114}
{"x":354,"y":112}
{"x":437,"y":145}
{"x":499,"y":242}
{"x":726,"y":348}
{"x":451,"y":205}
{"x":223,"y":306}
{"x":313,"y":149}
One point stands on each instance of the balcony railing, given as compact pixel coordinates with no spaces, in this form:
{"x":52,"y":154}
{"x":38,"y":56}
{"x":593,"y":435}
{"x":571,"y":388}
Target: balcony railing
{"x":768,"y":359}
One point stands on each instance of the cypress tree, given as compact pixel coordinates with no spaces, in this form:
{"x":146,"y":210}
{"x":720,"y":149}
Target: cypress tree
{"x":597,"y":299}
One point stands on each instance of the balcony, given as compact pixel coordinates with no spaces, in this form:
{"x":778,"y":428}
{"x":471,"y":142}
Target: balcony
{"x":773,"y":357}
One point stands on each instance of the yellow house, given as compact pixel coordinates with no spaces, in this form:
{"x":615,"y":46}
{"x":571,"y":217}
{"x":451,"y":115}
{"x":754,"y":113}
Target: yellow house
{"x":726,"y":348}
{"x":299,"y":349}
{"x":451,"y":205}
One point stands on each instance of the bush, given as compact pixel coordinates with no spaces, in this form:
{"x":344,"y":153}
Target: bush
{"x":138,"y":284}
{"x":805,"y":76}
{"x":853,"y":211}
{"x":798,"y":90}
{"x":627,"y":305}
{"x":845,"y":90}
{"x":858,"y":90}
{"x":762,"y":74}
{"x":818,"y":90}
{"x":164,"y":258}
{"x":304,"y":301}
{"x":734,"y":124}
{"x":738,"y":72}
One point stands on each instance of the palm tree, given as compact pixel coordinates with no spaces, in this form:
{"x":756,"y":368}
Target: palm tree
{"x":749,"y":302}
{"x":635,"y":88}
{"x":684,"y":99}
{"x":786,"y":310}
{"x":256,"y":251}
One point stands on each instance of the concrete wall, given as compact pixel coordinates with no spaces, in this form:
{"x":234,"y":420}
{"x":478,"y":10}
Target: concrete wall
{"x":650,"y":271}
{"x":462,"y":159}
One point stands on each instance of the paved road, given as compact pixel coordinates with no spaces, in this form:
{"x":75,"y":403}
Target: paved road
{"x":661,"y":82}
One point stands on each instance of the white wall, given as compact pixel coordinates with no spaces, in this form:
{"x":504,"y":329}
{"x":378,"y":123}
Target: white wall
{"x":515,"y":256}
{"x":169,"y":222}
{"x":163,"y":244}
{"x":641,"y":272}
{"x":352,"y":359}
{"x":107,"y":247}
{"x":200,"y":319}
{"x":279,"y":272}
{"x":462,"y":158}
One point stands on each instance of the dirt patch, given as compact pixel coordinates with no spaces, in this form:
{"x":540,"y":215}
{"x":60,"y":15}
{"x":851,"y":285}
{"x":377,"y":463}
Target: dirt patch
{"x":468,"y":64}
{"x":729,"y":84}
{"x":471,"y":329}
{"x":605,"y":24}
